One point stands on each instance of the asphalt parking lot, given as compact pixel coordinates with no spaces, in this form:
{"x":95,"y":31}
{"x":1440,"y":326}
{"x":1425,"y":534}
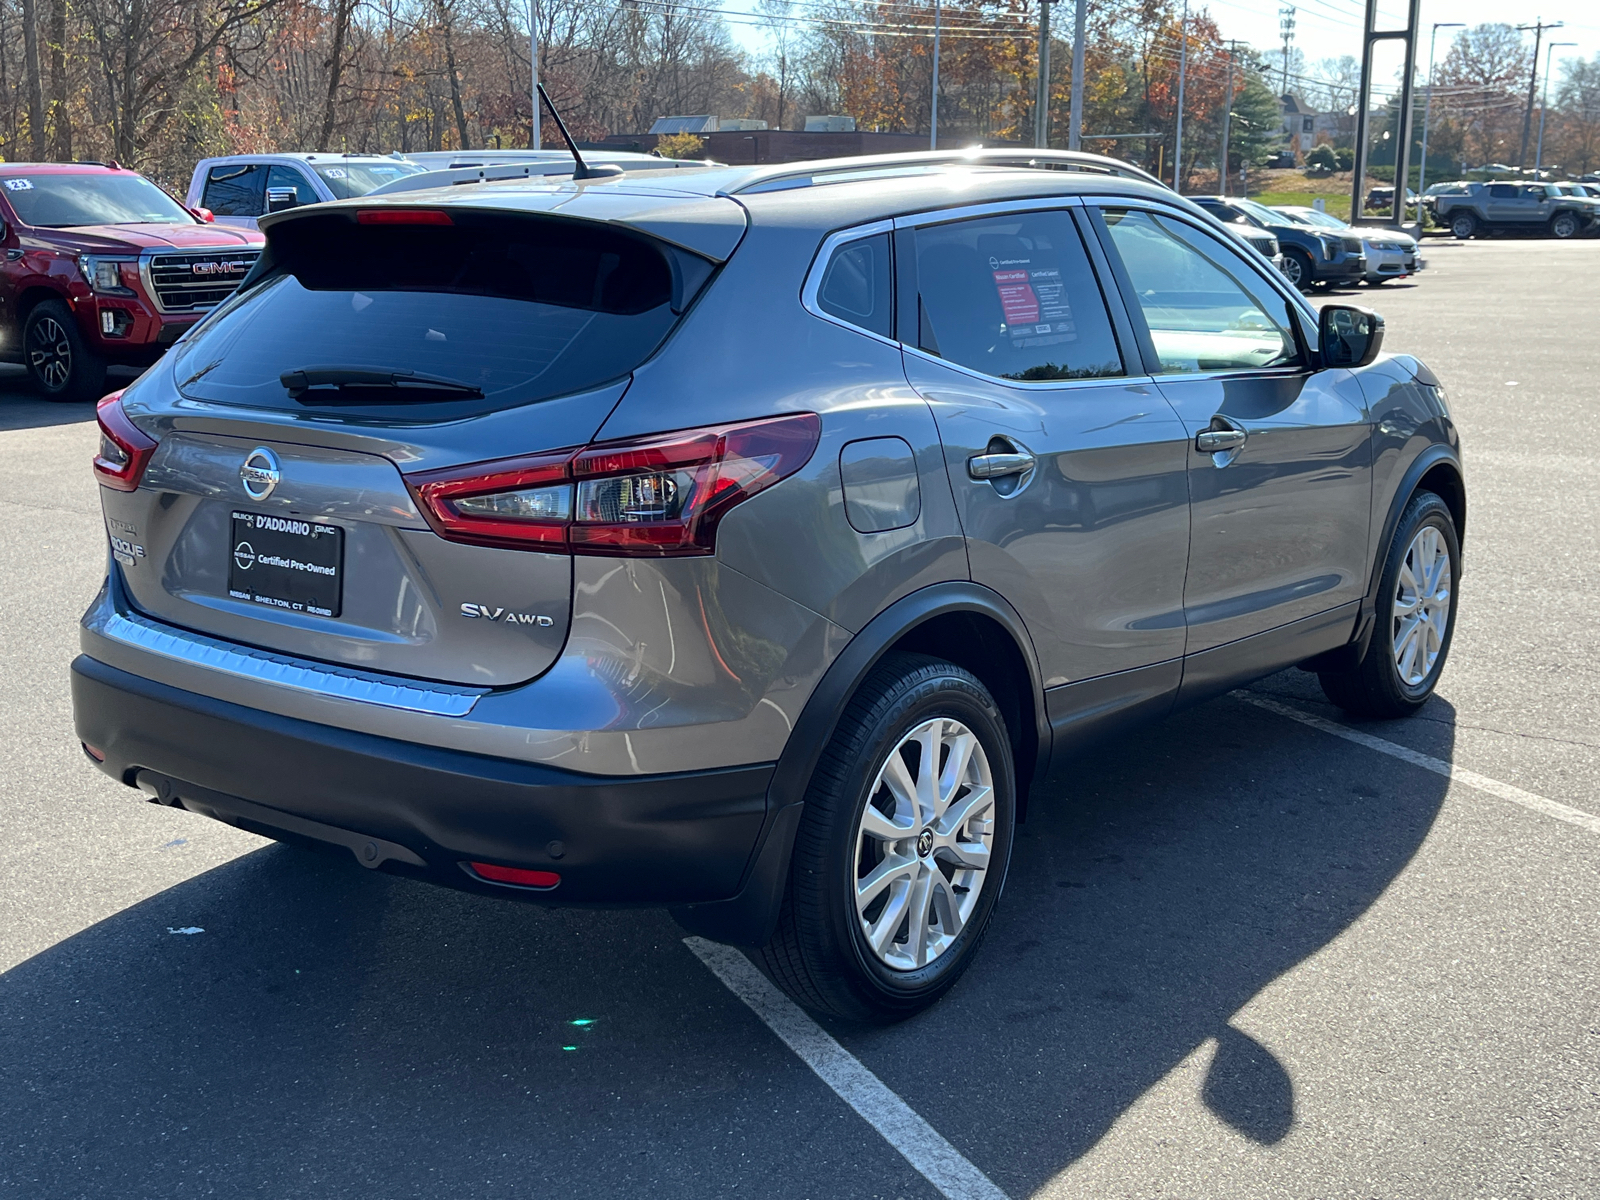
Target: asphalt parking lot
{"x":1237,"y":956}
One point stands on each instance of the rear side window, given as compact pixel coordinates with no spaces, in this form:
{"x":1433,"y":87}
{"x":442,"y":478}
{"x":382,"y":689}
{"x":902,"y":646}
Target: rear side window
{"x":1013,"y":297}
{"x":236,"y":191}
{"x":856,"y":285}
{"x":1503,"y":191}
{"x":433,"y":322}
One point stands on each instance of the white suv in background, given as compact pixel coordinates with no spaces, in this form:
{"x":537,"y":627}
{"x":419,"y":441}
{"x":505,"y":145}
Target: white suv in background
{"x":241,"y":188}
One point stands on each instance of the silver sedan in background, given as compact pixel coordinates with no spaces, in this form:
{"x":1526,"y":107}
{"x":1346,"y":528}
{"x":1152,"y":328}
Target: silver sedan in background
{"x":1390,"y":253}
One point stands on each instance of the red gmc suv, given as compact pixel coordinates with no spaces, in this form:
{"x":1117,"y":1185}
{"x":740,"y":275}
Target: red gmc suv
{"x":101,"y":266}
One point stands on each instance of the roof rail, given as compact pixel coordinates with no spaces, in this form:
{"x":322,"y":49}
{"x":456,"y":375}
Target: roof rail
{"x":841,"y":170}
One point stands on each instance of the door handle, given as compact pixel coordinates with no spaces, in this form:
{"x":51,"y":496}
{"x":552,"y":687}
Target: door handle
{"x":1214,"y":441}
{"x":998,"y":466}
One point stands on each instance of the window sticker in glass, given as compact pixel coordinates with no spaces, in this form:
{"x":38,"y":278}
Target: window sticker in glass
{"x":19,"y":185}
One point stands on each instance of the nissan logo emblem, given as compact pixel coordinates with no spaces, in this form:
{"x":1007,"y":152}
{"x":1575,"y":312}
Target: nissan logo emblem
{"x":260,"y":473}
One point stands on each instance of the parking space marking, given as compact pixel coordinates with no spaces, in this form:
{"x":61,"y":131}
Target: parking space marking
{"x":940,"y":1163}
{"x":1528,"y":800}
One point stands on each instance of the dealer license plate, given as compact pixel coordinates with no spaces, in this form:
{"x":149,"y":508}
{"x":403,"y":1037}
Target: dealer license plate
{"x":287,"y":563}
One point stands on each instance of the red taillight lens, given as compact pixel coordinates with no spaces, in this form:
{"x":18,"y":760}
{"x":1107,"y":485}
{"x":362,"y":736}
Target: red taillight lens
{"x":515,"y":875}
{"x":403,"y":216}
{"x":662,"y":495}
{"x":125,"y":450}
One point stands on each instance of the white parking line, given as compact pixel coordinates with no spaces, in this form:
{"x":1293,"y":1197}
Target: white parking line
{"x":938,"y":1161}
{"x":1528,"y":800}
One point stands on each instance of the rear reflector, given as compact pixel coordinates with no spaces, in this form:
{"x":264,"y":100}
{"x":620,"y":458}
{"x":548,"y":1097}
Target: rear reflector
{"x":515,"y":875}
{"x":93,"y":752}
{"x":403,"y":216}
{"x":655,"y":496}
{"x":125,"y":449}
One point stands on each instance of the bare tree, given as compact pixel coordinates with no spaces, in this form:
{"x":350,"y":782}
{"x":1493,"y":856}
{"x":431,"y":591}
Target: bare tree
{"x":30,"y":43}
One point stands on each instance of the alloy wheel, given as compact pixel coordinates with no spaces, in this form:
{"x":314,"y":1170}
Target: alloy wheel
{"x":50,"y":353}
{"x":1421,"y":606}
{"x":1564,"y":226}
{"x":1293,"y":270}
{"x":923,"y":844}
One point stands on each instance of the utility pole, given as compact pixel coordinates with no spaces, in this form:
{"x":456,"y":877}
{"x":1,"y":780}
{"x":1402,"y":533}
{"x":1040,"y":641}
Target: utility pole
{"x":1427,"y":107}
{"x":1227,"y":119}
{"x":1183,"y":70}
{"x":1538,"y":155}
{"x":1041,"y":104}
{"x":1533,"y":83}
{"x":1080,"y":25}
{"x":533,"y":61}
{"x":933,"y":132}
{"x":1286,"y":31}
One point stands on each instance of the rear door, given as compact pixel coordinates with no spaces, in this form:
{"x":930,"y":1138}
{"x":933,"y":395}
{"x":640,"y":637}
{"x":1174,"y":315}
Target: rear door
{"x":1067,"y":464}
{"x":1281,"y":508}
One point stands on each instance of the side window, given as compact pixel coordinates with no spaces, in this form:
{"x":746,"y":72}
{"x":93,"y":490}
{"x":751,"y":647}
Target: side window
{"x":1206,"y":308}
{"x":1014,"y":297}
{"x":282,"y":177}
{"x":856,"y":285}
{"x":1503,"y":191}
{"x":236,"y":191}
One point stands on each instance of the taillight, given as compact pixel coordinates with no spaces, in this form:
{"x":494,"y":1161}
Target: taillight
{"x":662,"y":495}
{"x":125,"y":449}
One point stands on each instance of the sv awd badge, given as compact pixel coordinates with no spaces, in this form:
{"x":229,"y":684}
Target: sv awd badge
{"x":489,"y":613}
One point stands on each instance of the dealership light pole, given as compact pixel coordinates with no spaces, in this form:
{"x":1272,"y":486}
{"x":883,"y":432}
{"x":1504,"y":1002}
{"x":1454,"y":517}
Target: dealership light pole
{"x":1538,"y":156}
{"x":1080,"y":25}
{"x":1183,"y":70}
{"x":1427,"y":107}
{"x":933,"y":124}
{"x":533,"y":62}
{"x":1041,"y":102}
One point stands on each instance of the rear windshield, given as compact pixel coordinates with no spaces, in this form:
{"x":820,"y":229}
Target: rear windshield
{"x":63,"y":201}
{"x":348,"y":180}
{"x":434,"y":322}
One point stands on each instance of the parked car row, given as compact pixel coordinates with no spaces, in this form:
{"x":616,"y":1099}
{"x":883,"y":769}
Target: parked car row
{"x":1317,"y":247}
{"x":1559,"y":210}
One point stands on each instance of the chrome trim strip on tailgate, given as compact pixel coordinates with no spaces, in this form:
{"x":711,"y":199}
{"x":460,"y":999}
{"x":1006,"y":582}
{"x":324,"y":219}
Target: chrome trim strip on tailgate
{"x":440,"y":700}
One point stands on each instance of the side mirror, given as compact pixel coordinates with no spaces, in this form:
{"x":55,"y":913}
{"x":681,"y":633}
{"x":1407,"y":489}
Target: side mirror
{"x":1350,"y":336}
{"x":203,"y":214}
{"x":280,"y":198}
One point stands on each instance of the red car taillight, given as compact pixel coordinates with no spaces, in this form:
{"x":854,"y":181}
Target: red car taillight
{"x":125,"y":449}
{"x":655,"y":496}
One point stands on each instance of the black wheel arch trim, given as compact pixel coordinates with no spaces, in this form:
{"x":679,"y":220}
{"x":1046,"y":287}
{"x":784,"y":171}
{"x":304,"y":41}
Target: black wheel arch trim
{"x":749,"y":918}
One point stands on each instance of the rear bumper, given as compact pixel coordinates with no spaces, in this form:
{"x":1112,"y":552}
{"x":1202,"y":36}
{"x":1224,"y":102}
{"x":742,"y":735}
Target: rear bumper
{"x":423,"y":811}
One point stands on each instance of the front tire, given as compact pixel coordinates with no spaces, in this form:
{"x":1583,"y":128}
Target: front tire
{"x":1565,"y":225}
{"x":1415,"y":622}
{"x":902,"y":849}
{"x":60,"y":363}
{"x":1463,"y":225}
{"x":1298,"y":269}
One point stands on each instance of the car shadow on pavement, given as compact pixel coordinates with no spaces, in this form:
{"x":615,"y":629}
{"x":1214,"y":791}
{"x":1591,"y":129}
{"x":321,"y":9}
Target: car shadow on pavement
{"x":1159,"y":884}
{"x":333,"y":1029}
{"x":23,"y":408}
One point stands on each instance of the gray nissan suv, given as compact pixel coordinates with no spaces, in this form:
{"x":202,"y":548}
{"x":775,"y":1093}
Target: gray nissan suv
{"x":747,"y":541}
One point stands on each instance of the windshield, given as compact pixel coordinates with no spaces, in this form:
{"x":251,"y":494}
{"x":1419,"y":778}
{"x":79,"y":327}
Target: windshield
{"x":1310,"y":216}
{"x":497,"y":311}
{"x":1260,"y":212}
{"x":62,"y":201}
{"x":348,"y":180}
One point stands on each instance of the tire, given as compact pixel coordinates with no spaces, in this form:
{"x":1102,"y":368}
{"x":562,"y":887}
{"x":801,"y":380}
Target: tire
{"x":1565,"y":225}
{"x":60,"y":364}
{"x":1298,"y":269}
{"x":820,"y":953}
{"x":1464,"y":225}
{"x":1389,"y":682}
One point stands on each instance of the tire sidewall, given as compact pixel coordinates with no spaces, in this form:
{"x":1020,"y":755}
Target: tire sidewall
{"x":1427,"y":509}
{"x":956,"y":696}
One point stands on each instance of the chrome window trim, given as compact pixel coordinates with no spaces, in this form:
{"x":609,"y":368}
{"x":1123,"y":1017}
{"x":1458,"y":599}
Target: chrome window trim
{"x":819,"y":268}
{"x":147,"y":257}
{"x":440,"y":700}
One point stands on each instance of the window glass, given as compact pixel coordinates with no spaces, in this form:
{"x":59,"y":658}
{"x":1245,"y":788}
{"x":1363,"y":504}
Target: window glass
{"x":65,"y":200}
{"x":237,"y":190}
{"x":856,"y":286}
{"x":1503,"y":191}
{"x":1207,"y":310}
{"x":515,"y":309}
{"x":347,"y":180}
{"x":1014,"y":297}
{"x":288,"y":177}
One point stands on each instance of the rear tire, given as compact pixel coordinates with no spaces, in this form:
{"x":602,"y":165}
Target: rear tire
{"x":60,"y":364}
{"x":897,"y":869}
{"x":1415,"y":622}
{"x":1463,"y":225}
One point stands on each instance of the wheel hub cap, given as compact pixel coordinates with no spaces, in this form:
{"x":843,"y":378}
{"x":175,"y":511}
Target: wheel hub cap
{"x":1421,"y":606}
{"x":49,"y":352}
{"x":923,"y":844}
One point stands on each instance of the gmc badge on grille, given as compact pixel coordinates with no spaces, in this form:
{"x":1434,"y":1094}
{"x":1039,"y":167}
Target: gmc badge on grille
{"x":219,"y":268}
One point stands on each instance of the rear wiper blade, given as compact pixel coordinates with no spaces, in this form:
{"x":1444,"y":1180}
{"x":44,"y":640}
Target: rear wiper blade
{"x":350,"y":382}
